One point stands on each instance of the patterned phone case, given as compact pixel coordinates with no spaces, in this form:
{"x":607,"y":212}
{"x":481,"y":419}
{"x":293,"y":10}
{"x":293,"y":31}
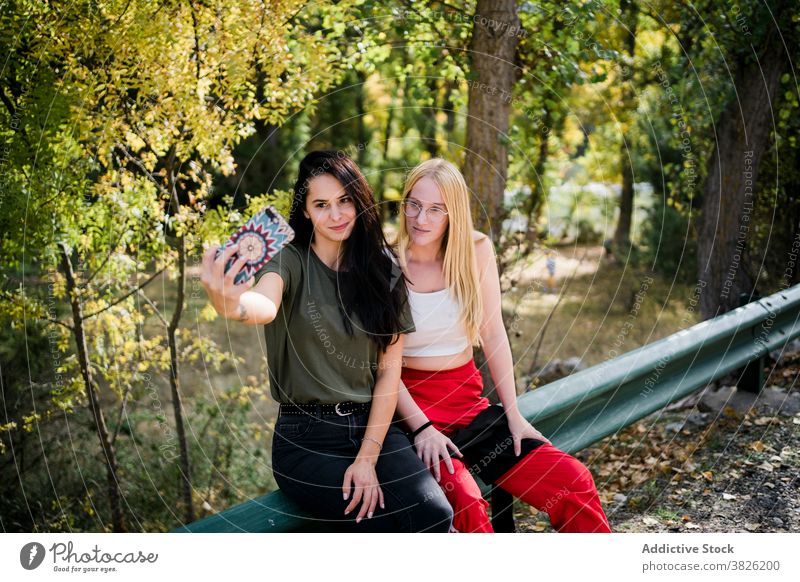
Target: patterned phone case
{"x":259,"y":240}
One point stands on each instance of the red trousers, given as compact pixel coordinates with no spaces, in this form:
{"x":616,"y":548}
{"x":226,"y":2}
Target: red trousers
{"x":546,"y":478}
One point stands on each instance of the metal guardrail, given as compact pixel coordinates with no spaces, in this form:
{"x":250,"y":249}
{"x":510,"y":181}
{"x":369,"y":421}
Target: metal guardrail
{"x":581,"y":409}
{"x":273,"y":512}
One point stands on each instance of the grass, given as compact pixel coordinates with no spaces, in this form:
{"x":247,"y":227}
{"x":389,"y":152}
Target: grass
{"x":244,"y":341}
{"x":647,"y":494}
{"x":607,"y":309}
{"x":666,"y":513}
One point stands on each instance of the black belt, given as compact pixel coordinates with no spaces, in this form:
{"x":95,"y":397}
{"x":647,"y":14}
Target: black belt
{"x":340,"y":409}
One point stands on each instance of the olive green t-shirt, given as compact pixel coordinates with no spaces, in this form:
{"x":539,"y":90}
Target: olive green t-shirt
{"x":311,"y":357}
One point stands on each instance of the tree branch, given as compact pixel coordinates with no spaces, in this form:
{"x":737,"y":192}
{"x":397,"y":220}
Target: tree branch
{"x":119,"y":414}
{"x":61,"y":323}
{"x":154,"y":307}
{"x":124,"y":297}
{"x":145,"y":172}
{"x":105,"y":260}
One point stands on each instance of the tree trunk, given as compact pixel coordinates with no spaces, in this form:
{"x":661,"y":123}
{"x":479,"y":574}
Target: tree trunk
{"x":743,"y":134}
{"x":387,"y":137}
{"x":622,"y":234}
{"x":495,"y":35}
{"x":361,"y":111}
{"x":430,"y":124}
{"x":172,"y":328}
{"x":110,"y":456}
{"x":449,"y":110}
{"x":534,"y":202}
{"x":493,"y":47}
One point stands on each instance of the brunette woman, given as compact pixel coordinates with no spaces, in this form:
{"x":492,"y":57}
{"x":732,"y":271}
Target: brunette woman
{"x":334,"y":311}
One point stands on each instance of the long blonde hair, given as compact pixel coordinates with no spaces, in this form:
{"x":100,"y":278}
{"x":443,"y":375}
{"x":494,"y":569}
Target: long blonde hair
{"x":460,"y":261}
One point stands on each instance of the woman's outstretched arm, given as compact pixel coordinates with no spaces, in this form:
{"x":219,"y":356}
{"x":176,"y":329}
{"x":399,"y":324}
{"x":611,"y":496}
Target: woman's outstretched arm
{"x":246,"y":303}
{"x":496,"y":347}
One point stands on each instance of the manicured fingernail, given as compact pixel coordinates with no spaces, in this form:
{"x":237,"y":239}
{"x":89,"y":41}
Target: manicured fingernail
{"x":345,"y":496}
{"x":369,"y":515}
{"x":358,"y":520}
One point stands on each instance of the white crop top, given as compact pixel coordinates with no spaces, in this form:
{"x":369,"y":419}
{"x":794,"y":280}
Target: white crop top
{"x":439,"y":330}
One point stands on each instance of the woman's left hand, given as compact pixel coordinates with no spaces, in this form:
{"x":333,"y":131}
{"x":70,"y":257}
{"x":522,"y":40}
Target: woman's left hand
{"x":522,"y":429}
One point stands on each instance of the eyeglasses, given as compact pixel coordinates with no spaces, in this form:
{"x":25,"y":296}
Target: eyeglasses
{"x":413,"y":210}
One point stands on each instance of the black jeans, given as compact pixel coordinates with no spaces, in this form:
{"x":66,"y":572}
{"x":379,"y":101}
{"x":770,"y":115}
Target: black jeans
{"x":310,"y":454}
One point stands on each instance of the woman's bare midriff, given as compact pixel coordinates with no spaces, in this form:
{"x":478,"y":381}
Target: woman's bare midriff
{"x":437,"y":363}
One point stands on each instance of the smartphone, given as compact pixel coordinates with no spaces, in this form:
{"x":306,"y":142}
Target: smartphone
{"x":259,"y":239}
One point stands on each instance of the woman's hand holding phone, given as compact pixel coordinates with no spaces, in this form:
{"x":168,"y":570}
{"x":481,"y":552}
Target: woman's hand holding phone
{"x":228,"y":270}
{"x":223,"y":292}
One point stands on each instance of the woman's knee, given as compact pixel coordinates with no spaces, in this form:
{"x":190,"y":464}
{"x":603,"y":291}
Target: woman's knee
{"x":573,"y":474}
{"x":582,"y":479}
{"x":461,"y":489}
{"x":434,"y":514}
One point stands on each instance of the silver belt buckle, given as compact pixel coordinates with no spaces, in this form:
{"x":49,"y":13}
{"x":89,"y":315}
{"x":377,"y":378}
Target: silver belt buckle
{"x":340,"y":413}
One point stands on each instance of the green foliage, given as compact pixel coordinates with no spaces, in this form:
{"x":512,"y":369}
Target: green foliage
{"x":667,"y":242}
{"x":116,"y":117}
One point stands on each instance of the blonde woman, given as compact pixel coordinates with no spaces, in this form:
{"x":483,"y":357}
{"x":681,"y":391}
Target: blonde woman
{"x":454,"y":292}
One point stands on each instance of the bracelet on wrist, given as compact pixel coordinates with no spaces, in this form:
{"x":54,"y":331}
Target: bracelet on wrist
{"x":380,"y":446}
{"x":420,"y":429}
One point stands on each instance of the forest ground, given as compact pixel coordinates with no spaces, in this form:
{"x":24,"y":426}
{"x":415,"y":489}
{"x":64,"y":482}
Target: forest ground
{"x":719,"y":461}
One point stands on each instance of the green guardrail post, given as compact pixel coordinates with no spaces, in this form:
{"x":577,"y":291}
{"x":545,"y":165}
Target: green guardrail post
{"x":751,"y":377}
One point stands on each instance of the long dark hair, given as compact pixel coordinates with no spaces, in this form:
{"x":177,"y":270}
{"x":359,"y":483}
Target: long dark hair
{"x":370,"y":284}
